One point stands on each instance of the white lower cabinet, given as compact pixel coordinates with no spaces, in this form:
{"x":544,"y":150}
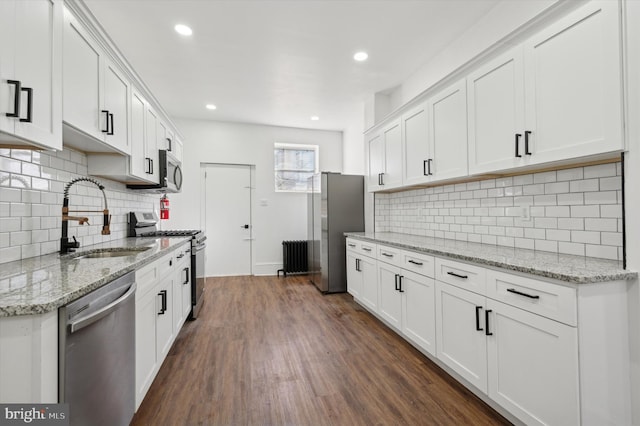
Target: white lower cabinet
{"x":547,"y":352}
{"x":532,"y":366}
{"x":159,"y":315}
{"x":354,"y":276}
{"x":460,"y":336}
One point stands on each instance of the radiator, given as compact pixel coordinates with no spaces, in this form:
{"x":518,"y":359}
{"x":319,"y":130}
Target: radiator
{"x":294,"y":258}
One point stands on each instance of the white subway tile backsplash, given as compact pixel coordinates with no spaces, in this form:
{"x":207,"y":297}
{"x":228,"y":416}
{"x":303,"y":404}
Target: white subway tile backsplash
{"x":605,"y":252}
{"x":561,"y":211}
{"x":31,"y":187}
{"x":600,"y":170}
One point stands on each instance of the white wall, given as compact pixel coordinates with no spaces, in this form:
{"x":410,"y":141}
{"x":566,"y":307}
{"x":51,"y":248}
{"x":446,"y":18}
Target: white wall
{"x":284,"y":217}
{"x":632,"y":195}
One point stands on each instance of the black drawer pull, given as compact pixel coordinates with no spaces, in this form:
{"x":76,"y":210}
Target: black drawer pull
{"x":351,"y":245}
{"x":29,"y":91}
{"x":16,"y":98}
{"x":415,"y":263}
{"x":526,"y":142}
{"x":486,"y":322}
{"x":478,"y":309}
{"x":386,"y":254}
{"x":366,"y":249}
{"x":517,"y":145}
{"x":186,"y":276}
{"x":456,"y":275}
{"x":530,"y":296}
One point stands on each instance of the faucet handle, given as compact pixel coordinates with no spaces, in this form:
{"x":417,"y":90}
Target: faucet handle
{"x":75,"y":243}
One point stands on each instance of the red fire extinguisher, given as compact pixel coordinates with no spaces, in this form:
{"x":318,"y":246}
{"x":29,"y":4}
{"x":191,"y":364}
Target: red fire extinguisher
{"x":164,"y":207}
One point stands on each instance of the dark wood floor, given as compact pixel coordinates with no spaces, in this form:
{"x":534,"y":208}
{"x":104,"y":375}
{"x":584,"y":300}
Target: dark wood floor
{"x":274,"y":351}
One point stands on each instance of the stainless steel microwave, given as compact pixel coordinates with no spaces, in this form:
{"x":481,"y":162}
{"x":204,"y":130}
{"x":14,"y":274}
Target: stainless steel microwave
{"x":169,"y":175}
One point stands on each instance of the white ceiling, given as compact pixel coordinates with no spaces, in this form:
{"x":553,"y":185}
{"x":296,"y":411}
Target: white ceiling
{"x":280,"y":62}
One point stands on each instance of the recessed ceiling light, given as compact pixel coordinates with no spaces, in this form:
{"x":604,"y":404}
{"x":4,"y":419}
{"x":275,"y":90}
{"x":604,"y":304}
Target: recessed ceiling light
{"x":361,"y":56}
{"x":183,"y":30}
{"x":315,"y":118}
{"x":211,"y":106}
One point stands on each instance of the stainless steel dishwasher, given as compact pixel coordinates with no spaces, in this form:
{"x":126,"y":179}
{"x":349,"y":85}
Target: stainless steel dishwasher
{"x":96,"y":375}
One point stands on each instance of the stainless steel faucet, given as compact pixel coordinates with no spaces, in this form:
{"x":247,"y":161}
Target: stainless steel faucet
{"x":65,"y":245}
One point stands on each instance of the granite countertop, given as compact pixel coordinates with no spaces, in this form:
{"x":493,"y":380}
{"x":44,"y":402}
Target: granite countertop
{"x":563,"y":267}
{"x":42,"y":284}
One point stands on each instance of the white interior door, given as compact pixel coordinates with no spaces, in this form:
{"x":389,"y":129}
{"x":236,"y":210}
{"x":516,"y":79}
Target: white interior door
{"x":228,"y":219}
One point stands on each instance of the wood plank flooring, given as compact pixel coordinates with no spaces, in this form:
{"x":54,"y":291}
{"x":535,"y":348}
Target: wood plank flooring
{"x":274,"y":351}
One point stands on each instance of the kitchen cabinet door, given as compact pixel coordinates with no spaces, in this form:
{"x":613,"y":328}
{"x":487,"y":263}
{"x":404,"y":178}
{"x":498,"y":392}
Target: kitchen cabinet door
{"x":419,"y":310}
{"x":31,"y":47}
{"x":178,"y":149}
{"x":532,"y":366}
{"x":117,"y":102}
{"x":448,"y":133}
{"x":392,"y":142}
{"x":495,"y":94}
{"x":354,"y":275}
{"x":185,"y":274}
{"x":573,"y":85}
{"x":375,"y":152}
{"x":82,"y":77}
{"x":461,"y":343}
{"x":369,"y":271}
{"x":164,"y":316}
{"x":417,"y":150}
{"x":139,"y":165}
{"x":390,"y":302}
{"x":151,"y":144}
{"x":146,"y":313}
{"x":176,"y":304}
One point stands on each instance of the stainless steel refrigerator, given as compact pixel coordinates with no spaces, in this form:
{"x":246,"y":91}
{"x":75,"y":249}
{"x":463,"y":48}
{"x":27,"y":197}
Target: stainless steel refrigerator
{"x":335,"y":206}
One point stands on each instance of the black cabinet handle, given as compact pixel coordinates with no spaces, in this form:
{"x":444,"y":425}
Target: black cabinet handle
{"x":380,"y":179}
{"x":400,"y":284}
{"x":163,"y":297}
{"x":478,"y":309}
{"x":151,"y":167}
{"x":456,"y":275}
{"x":180,"y":256}
{"x":106,"y":120}
{"x":518,"y":145}
{"x":424,"y":168}
{"x":366,"y":249}
{"x":486,"y":322}
{"x":415,"y":263}
{"x":429,"y":167}
{"x":386,"y":254}
{"x":110,"y":132}
{"x":186,"y":276}
{"x":168,"y":144}
{"x":351,"y":245}
{"x":29,"y":91}
{"x":397,"y":281}
{"x":530,"y":296}
{"x":358,"y":265}
{"x":526,"y":142}
{"x":16,"y":98}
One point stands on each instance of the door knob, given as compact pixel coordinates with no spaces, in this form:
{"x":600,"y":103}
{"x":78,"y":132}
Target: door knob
{"x":244,"y":226}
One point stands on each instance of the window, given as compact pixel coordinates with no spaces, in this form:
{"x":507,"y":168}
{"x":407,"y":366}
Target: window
{"x":293,"y":166}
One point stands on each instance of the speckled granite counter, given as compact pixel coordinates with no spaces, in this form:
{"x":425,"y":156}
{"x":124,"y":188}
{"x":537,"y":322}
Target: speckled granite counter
{"x":44,"y":283}
{"x":573,"y":269}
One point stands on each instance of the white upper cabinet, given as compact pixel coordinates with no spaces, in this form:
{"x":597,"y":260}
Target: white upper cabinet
{"x":573,"y":85}
{"x":95,"y":95}
{"x":448,"y":133}
{"x":31,"y":73}
{"x":375,"y":152}
{"x":417,"y":149}
{"x":556,"y":97}
{"x":138,"y":162}
{"x":392,"y":135}
{"x":496,"y":113}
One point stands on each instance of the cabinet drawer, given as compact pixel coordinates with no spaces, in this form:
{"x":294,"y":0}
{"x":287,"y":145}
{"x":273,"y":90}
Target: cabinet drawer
{"x":461,"y":275}
{"x":419,"y":263}
{"x":389,"y":255}
{"x":353,"y":245}
{"x":549,"y":300}
{"x":368,"y":249}
{"x":149,"y":275}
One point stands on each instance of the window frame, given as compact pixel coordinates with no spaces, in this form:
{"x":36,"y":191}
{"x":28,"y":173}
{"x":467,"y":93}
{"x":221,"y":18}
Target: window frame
{"x":295,"y":147}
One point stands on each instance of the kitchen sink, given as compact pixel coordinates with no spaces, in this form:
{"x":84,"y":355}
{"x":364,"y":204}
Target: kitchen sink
{"x":112,"y":252}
